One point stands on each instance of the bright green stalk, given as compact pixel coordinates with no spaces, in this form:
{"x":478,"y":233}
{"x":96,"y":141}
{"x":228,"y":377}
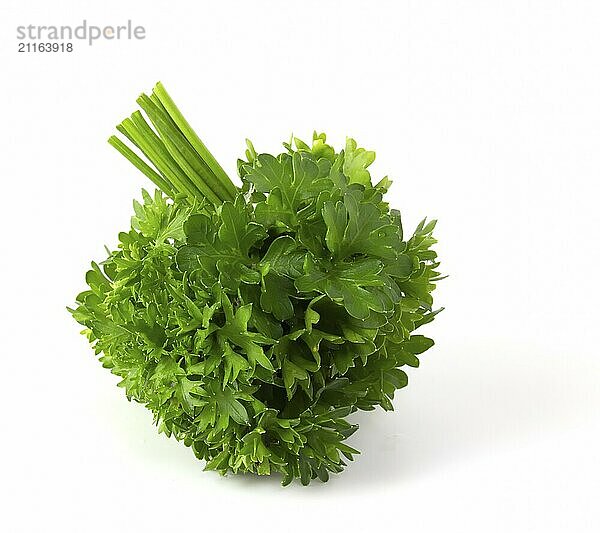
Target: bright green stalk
{"x":180,"y":150}
{"x":184,"y":164}
{"x":174,"y":159}
{"x":159,"y":159}
{"x":193,"y":138}
{"x":154,"y":105}
{"x":139,"y":163}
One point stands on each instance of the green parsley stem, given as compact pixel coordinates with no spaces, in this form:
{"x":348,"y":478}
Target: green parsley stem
{"x":160,"y":158}
{"x":193,"y":138}
{"x":183,"y":164}
{"x":141,"y":165}
{"x":181,"y":151}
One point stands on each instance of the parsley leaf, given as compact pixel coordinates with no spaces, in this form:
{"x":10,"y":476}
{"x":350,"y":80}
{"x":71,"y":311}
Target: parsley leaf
{"x":253,"y":320}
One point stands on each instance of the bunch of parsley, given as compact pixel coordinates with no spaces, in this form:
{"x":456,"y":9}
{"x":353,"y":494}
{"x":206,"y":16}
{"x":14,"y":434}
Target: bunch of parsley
{"x":252,"y":321}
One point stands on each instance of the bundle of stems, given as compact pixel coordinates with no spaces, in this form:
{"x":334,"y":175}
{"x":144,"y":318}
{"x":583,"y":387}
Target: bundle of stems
{"x":182,"y":166}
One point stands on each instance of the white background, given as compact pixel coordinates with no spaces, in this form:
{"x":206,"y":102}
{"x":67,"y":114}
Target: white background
{"x":486,"y":115}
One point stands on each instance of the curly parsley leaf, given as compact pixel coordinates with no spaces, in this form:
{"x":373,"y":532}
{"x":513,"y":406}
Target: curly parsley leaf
{"x":253,"y":321}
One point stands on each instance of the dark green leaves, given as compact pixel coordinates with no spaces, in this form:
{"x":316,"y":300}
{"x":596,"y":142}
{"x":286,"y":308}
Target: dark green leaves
{"x":358,"y":286}
{"x":417,"y":344}
{"x":219,"y":245}
{"x":356,"y":227}
{"x":252,"y":323}
{"x":217,"y":405}
{"x":282,"y":262}
{"x":293,"y":177}
{"x":235,"y":331}
{"x":284,"y":257}
{"x":237,"y":231}
{"x":292,"y":182}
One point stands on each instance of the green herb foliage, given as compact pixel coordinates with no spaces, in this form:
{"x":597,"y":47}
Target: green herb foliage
{"x":252,"y":321}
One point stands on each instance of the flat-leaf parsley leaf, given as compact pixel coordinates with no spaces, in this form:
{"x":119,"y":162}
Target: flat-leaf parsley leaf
{"x":253,"y":320}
